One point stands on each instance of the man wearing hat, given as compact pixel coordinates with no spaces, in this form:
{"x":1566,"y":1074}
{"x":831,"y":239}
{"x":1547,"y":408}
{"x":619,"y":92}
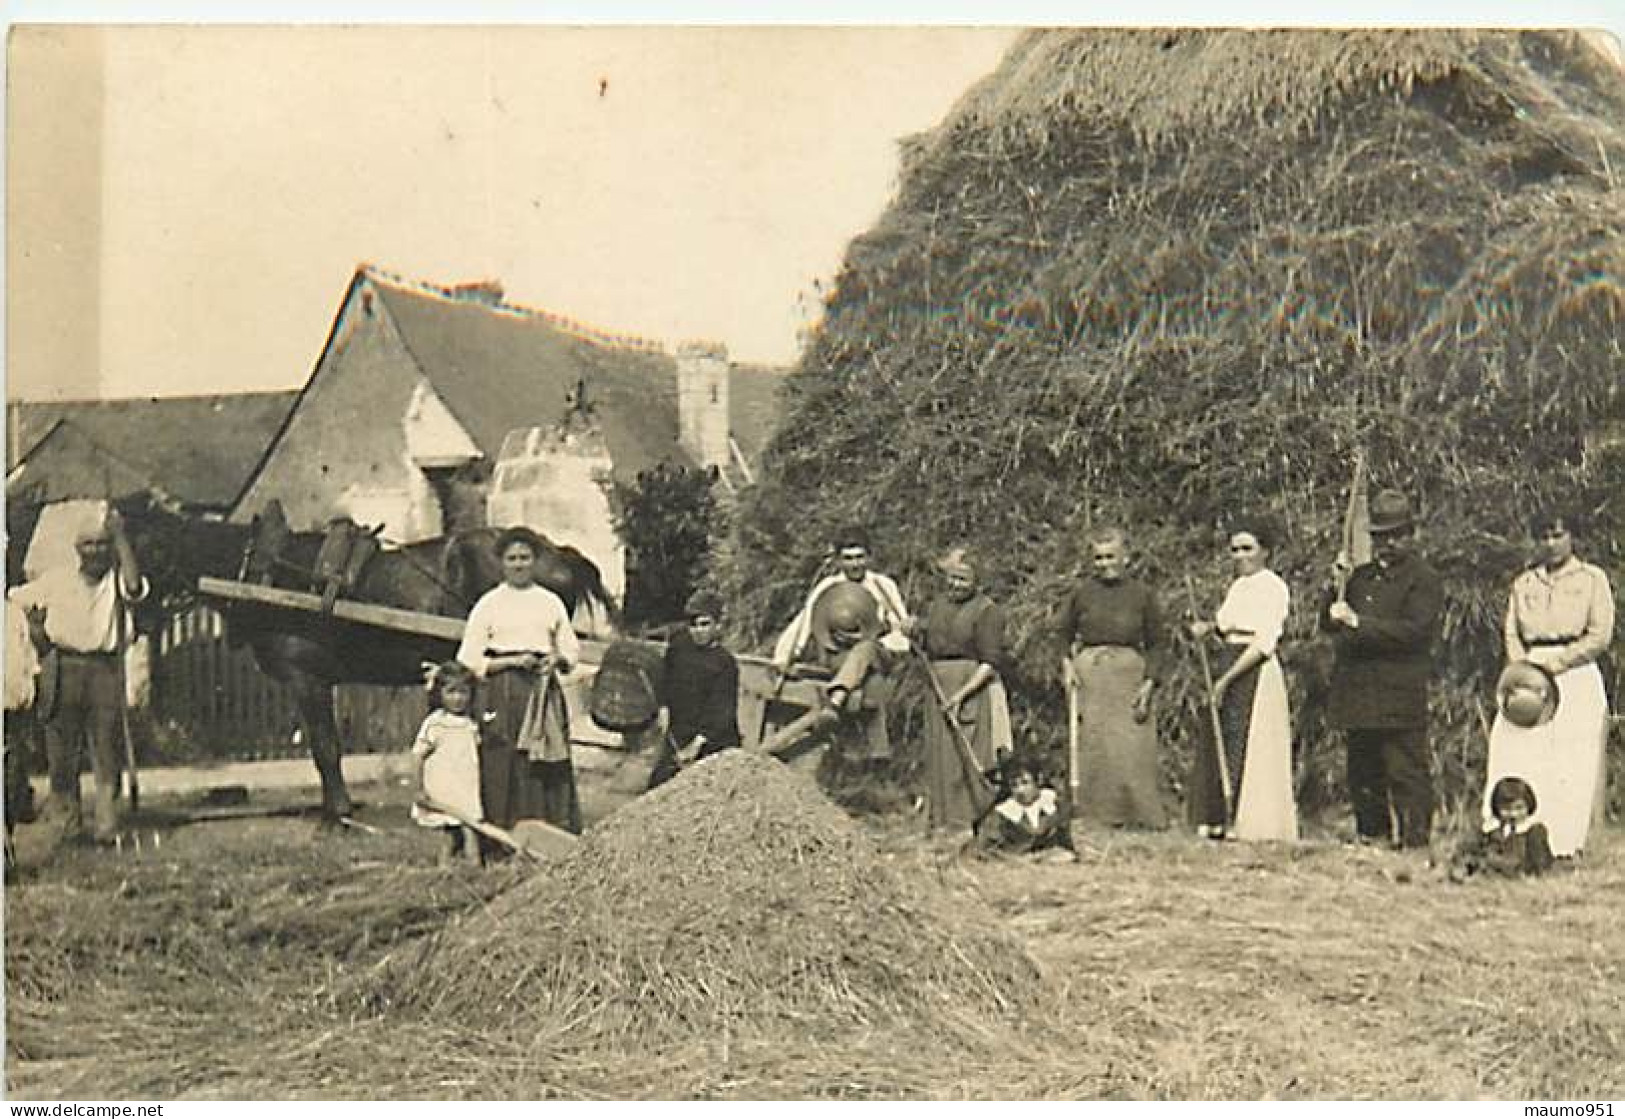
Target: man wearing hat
{"x":699,"y":688}
{"x":79,"y":617}
{"x":1383,"y":626}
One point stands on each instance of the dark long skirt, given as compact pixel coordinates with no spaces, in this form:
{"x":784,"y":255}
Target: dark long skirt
{"x":952,"y":788}
{"x":513,"y":786}
{"x":1207,"y":801}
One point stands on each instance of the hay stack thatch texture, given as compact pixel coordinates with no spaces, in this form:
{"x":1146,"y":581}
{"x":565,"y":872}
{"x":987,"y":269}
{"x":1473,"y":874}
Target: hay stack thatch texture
{"x":734,"y":898}
{"x":1155,"y":276}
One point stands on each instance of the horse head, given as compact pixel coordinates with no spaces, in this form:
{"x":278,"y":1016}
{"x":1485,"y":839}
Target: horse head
{"x":175,"y":548}
{"x":268,"y":538}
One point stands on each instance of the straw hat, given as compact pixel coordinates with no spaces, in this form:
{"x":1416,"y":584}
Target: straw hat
{"x":847,"y":608}
{"x":1526,"y":695}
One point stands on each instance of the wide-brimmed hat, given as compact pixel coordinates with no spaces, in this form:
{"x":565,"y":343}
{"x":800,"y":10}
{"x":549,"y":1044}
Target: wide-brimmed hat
{"x":1526,"y":694}
{"x":847,"y":608}
{"x":1390,"y":512}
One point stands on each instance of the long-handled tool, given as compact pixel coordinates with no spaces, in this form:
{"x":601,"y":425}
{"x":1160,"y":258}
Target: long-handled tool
{"x":1212,"y":710}
{"x":1074,"y":763}
{"x":535,"y":839}
{"x":983,"y":795}
{"x":1356,"y":539}
{"x":121,"y":630}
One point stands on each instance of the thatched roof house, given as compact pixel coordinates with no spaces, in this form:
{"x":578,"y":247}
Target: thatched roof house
{"x":1153,"y":276}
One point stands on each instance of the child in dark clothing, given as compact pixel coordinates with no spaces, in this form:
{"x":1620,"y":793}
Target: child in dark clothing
{"x":699,"y":689}
{"x":1030,"y":820}
{"x":1514,"y":847}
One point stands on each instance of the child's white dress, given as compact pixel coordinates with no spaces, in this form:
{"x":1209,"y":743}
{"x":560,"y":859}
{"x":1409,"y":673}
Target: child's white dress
{"x":450,"y":747}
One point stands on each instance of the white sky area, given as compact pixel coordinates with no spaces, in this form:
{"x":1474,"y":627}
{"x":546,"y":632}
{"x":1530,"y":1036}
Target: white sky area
{"x":245,"y":173}
{"x":185,"y":205}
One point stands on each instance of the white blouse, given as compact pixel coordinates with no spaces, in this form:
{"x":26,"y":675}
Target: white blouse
{"x":512,"y":620}
{"x":1254,"y":611}
{"x":1030,"y":814}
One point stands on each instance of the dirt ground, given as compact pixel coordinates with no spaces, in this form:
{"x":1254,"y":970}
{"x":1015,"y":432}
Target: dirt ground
{"x":224,"y":963}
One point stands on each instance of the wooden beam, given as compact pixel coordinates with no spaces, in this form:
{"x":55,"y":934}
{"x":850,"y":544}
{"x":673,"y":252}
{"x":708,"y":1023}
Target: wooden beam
{"x":757,"y":690}
{"x":388,"y":617}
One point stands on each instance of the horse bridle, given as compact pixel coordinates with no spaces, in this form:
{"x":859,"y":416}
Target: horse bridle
{"x":275,"y":563}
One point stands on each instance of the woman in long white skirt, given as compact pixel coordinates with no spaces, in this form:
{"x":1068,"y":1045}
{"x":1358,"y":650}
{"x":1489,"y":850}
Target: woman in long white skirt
{"x":1560,"y":618}
{"x":1251,"y":696}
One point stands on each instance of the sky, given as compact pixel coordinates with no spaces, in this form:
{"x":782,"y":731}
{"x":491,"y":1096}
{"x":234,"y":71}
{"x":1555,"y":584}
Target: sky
{"x":185,"y":205}
{"x":195,"y":227}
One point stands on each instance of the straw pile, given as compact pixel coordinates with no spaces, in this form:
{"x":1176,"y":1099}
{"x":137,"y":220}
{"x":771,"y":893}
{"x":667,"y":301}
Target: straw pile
{"x":733,"y":899}
{"x":1152,"y":277}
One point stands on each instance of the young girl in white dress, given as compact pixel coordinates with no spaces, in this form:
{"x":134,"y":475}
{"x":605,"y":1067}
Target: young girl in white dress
{"x":447,"y":749}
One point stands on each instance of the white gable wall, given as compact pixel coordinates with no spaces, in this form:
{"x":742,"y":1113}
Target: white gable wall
{"x":553,"y":483}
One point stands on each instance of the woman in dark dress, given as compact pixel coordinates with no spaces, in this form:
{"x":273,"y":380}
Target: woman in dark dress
{"x":963,"y":633}
{"x":1113,"y":627}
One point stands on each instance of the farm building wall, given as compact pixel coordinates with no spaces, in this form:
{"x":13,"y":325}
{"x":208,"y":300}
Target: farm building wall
{"x":552,"y":481}
{"x":346,"y":447}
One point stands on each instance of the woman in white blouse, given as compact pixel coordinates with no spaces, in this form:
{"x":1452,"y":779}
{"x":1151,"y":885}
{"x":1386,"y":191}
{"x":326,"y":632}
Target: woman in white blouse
{"x":1561,"y":618}
{"x":1250,"y":693}
{"x":517,"y":640}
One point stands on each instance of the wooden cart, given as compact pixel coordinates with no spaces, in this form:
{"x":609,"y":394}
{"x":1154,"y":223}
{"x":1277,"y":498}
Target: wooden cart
{"x":764,"y":701}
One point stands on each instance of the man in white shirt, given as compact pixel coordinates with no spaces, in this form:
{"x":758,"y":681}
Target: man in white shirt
{"x":855,"y":624}
{"x":79,"y":620}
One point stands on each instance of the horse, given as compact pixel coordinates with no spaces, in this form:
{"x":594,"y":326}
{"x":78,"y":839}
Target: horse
{"x":311,"y":653}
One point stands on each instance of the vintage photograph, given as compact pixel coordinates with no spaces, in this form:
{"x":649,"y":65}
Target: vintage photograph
{"x":814,"y":563}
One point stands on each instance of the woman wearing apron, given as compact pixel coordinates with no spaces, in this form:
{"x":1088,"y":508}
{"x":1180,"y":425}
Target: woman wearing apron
{"x":1560,"y":619}
{"x":1250,"y":693}
{"x":1113,"y":627}
{"x":964,"y":639}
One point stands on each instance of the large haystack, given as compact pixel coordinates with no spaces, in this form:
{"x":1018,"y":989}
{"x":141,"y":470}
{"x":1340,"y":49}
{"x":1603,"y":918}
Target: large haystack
{"x":1151,"y":276}
{"x":734,"y":898}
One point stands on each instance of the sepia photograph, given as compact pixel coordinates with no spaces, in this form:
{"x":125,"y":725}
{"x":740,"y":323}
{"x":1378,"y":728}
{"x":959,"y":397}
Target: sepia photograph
{"x":743,"y":562}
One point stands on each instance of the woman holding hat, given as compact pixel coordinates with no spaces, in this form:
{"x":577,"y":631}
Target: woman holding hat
{"x":964,"y":639}
{"x":1559,"y":620}
{"x":1250,"y":694}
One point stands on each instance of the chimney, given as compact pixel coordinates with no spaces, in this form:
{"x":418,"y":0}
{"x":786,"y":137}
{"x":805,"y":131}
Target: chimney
{"x":702,"y":402}
{"x":488,"y":292}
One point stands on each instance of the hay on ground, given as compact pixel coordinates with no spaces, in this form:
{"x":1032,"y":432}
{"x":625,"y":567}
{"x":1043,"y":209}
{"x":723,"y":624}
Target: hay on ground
{"x":734,"y":897}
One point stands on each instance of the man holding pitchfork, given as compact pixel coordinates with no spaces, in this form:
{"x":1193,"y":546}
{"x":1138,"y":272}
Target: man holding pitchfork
{"x":1383,"y":617}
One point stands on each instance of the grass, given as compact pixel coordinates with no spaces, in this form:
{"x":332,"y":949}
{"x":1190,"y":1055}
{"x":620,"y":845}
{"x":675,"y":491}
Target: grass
{"x":220,"y":966}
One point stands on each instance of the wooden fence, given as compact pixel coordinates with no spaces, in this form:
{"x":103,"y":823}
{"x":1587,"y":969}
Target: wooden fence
{"x":210,"y":700}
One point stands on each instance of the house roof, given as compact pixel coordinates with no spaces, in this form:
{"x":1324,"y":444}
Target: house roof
{"x":498,"y":367}
{"x":67,"y":464}
{"x":198,"y":449}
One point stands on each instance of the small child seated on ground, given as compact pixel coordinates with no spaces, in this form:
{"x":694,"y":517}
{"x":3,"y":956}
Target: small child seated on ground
{"x":1030,"y":820}
{"x":447,"y":750}
{"x":1514,"y":847}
